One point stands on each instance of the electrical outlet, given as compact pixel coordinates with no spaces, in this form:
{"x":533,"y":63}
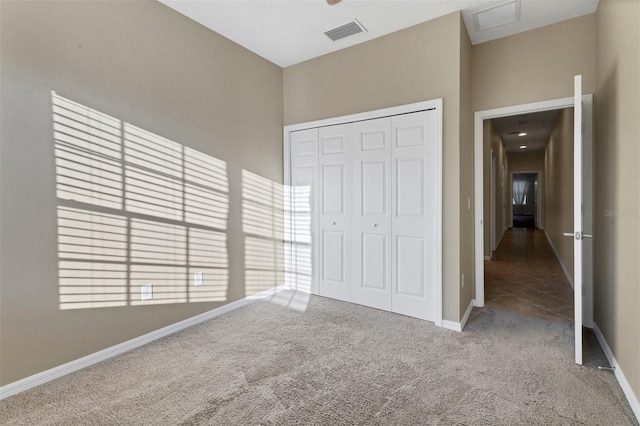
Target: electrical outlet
{"x":462,"y":280}
{"x":197,"y":278}
{"x":146,"y":292}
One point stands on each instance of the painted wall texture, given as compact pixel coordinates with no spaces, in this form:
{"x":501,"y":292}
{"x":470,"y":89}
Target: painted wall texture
{"x":143,"y":168}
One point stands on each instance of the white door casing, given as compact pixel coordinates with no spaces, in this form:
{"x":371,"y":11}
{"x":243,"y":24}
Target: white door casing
{"x":371,"y":224}
{"x":479,"y":117}
{"x":335,"y":193}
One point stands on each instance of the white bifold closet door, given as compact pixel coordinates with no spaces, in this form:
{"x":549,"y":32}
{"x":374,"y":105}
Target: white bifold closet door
{"x":371,"y":224}
{"x":335,"y":143}
{"x":375,"y":211}
{"x":414,"y":239}
{"x":394,"y":214}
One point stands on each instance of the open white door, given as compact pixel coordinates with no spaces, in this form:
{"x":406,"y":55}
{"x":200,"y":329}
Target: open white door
{"x":578,"y":234}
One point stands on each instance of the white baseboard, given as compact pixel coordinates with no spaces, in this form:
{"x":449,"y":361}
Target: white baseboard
{"x":487,"y":258}
{"x":459,"y":326}
{"x":562,"y":265}
{"x":622,"y":380}
{"x":467,"y":313}
{"x":80,"y":363}
{"x":451,"y":325}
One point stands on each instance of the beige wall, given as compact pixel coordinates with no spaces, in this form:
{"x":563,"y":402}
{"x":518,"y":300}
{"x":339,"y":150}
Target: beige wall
{"x":416,"y":64}
{"x":525,"y":162}
{"x":467,"y":237}
{"x":536,"y":65}
{"x":493,"y":142}
{"x":558,"y":187}
{"x":617,"y":198}
{"x":146,"y":65}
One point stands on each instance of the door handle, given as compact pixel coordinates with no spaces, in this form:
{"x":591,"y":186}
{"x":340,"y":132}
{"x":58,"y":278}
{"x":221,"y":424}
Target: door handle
{"x":578,"y":235}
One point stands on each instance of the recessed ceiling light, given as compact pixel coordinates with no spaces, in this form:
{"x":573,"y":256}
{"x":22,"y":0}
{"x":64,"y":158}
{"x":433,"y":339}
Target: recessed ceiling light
{"x":522,"y":134}
{"x":523,"y":147}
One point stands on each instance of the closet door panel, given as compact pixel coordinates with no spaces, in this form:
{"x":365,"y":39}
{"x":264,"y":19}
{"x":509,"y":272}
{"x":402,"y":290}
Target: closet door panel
{"x":335,"y":211}
{"x":409,"y":187}
{"x":374,"y":262}
{"x":333,"y":181}
{"x":371,"y":225}
{"x":410,"y":261}
{"x":300,"y":253}
{"x":374,"y":176}
{"x":414,"y":232}
{"x":333,"y":255}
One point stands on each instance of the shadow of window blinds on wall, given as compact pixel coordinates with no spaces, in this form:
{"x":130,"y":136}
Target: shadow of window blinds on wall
{"x":276,"y":221}
{"x":135,"y":209}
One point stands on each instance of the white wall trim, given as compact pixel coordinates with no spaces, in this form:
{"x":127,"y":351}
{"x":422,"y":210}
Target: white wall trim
{"x":452,"y":325}
{"x":467,"y":313}
{"x":96,"y":357}
{"x":622,"y":380}
{"x":487,"y":258}
{"x":459,"y":326}
{"x":379,"y":113}
{"x":368,"y":115}
{"x":562,"y":265}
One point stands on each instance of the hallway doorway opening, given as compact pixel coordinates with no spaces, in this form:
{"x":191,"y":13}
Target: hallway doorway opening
{"x":496,"y":237}
{"x":525,"y":200}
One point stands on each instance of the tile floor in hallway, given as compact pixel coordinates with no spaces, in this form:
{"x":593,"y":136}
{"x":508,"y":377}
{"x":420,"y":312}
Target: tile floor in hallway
{"x":525,"y":277}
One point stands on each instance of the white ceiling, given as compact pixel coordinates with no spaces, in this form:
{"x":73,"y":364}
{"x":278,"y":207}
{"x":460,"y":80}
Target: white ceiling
{"x":287,"y":32}
{"x":536,"y":125}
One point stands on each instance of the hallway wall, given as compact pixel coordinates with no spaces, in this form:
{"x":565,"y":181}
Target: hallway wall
{"x":492,"y":141}
{"x":558,"y":192}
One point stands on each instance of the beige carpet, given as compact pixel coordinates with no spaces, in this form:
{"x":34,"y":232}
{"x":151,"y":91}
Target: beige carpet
{"x":334,"y":364}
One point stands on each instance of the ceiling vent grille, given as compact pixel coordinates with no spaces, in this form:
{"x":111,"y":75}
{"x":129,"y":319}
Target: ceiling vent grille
{"x":497,"y":16}
{"x":346,"y":30}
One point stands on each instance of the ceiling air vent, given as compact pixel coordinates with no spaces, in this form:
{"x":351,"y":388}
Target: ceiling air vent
{"x":496,"y":16}
{"x":346,"y":30}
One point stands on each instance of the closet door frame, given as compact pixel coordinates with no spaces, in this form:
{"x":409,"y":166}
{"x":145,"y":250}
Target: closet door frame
{"x":434,"y":104}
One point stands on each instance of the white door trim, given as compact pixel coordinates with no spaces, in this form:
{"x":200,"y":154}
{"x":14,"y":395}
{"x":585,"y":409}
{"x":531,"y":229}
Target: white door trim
{"x":385,"y":112}
{"x":479,"y":117}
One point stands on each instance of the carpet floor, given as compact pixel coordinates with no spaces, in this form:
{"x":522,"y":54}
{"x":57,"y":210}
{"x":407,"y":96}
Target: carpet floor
{"x":338,"y":364}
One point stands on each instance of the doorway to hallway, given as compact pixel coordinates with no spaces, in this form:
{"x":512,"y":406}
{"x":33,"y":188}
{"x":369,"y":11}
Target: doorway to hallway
{"x":580,"y":258}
